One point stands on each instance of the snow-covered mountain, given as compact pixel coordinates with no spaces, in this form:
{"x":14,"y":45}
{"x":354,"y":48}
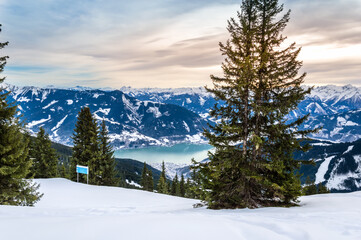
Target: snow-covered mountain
{"x":131,"y":122}
{"x":197,"y":100}
{"x":154,"y":116}
{"x":340,"y":127}
{"x":338,"y":165}
{"x":325,"y":105}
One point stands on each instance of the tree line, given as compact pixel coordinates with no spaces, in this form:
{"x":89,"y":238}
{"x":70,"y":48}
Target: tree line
{"x":180,"y":187}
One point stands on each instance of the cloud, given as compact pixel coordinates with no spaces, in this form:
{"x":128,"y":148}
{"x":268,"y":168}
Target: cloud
{"x":161,"y":43}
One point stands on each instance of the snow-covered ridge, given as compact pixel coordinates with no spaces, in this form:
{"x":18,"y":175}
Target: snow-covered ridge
{"x":336,"y":108}
{"x":332,"y":92}
{"x":175,"y":91}
{"x":132,"y":122}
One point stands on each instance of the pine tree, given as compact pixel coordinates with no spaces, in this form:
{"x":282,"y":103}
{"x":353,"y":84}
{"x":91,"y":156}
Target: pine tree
{"x":14,"y":160}
{"x":182,"y":187}
{"x":259,"y":88}
{"x":162,"y":185}
{"x":188,"y":189}
{"x":44,"y":156}
{"x":107,"y":161}
{"x":310,"y":188}
{"x":175,"y":186}
{"x":63,"y":170}
{"x":150,"y":181}
{"x":86,"y":150}
{"x":144,"y":177}
{"x":322,"y":189}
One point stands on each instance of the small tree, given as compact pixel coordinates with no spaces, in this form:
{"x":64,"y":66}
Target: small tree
{"x":14,"y":160}
{"x":150,"y":181}
{"x":86,"y":148}
{"x":182,"y":187}
{"x":143,"y":179}
{"x":107,"y":161}
{"x":322,"y":189}
{"x":175,"y":186}
{"x":44,"y":156}
{"x":310,"y":188}
{"x":162,"y":185}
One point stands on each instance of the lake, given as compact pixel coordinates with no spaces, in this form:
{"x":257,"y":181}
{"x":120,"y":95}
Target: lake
{"x":179,"y":153}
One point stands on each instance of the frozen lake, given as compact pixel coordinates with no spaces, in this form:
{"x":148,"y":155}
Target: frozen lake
{"x":179,"y":153}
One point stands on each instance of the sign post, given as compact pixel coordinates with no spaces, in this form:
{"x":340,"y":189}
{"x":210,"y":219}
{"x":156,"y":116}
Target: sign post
{"x":82,"y":170}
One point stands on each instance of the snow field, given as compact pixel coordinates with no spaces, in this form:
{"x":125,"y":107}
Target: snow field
{"x":71,"y":210}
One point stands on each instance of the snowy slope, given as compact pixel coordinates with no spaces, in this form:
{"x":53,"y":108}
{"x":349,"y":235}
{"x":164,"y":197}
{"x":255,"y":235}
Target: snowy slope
{"x":76,"y":211}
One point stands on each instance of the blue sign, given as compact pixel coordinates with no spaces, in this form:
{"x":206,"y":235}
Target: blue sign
{"x":82,"y":169}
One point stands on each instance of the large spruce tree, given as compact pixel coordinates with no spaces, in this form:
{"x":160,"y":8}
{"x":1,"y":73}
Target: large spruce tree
{"x":107,"y":161}
{"x":253,"y":163}
{"x":44,"y":157}
{"x":86,"y":149}
{"x":14,"y":160}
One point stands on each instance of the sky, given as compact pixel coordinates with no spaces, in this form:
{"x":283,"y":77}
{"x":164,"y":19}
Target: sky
{"x":162,"y":43}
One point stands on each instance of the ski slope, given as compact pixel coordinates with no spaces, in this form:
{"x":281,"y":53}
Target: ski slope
{"x":70,"y":210}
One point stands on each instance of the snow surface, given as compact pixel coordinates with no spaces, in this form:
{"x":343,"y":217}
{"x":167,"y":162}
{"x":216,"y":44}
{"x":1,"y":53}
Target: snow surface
{"x":349,"y":149}
{"x":71,"y":210}
{"x":50,"y":104}
{"x":34,"y":123}
{"x":322,"y":170}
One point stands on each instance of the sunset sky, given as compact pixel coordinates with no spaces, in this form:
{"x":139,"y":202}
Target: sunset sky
{"x":162,"y":43}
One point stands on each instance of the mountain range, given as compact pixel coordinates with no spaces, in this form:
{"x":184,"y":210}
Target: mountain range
{"x":131,"y":122}
{"x":151,"y":116}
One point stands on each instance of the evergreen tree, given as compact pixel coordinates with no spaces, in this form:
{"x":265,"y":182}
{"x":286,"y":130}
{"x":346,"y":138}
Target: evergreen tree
{"x":144,"y":178}
{"x":107,"y":161}
{"x":162,"y":185}
{"x":194,"y":186}
{"x":188,"y":189}
{"x":86,"y":149}
{"x":14,"y":160}
{"x":322,"y":189}
{"x":147,"y":180}
{"x":259,"y":88}
{"x":310,"y":188}
{"x":63,"y":170}
{"x":182,"y":187}
{"x":175,"y":186}
{"x":150,"y":181}
{"x":44,"y":157}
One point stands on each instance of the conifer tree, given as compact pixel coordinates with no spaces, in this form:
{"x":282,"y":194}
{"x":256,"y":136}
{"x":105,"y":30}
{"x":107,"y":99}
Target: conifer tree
{"x":150,"y":181}
{"x":44,"y":157}
{"x":182,"y":187}
{"x":107,"y":161}
{"x":253,"y":163}
{"x":310,"y":188}
{"x":147,"y":179}
{"x":322,"y":189}
{"x":188,"y":190}
{"x":86,"y":150}
{"x":162,"y":185}
{"x":63,"y":170}
{"x":14,"y":160}
{"x":144,"y":178}
{"x":175,"y":186}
